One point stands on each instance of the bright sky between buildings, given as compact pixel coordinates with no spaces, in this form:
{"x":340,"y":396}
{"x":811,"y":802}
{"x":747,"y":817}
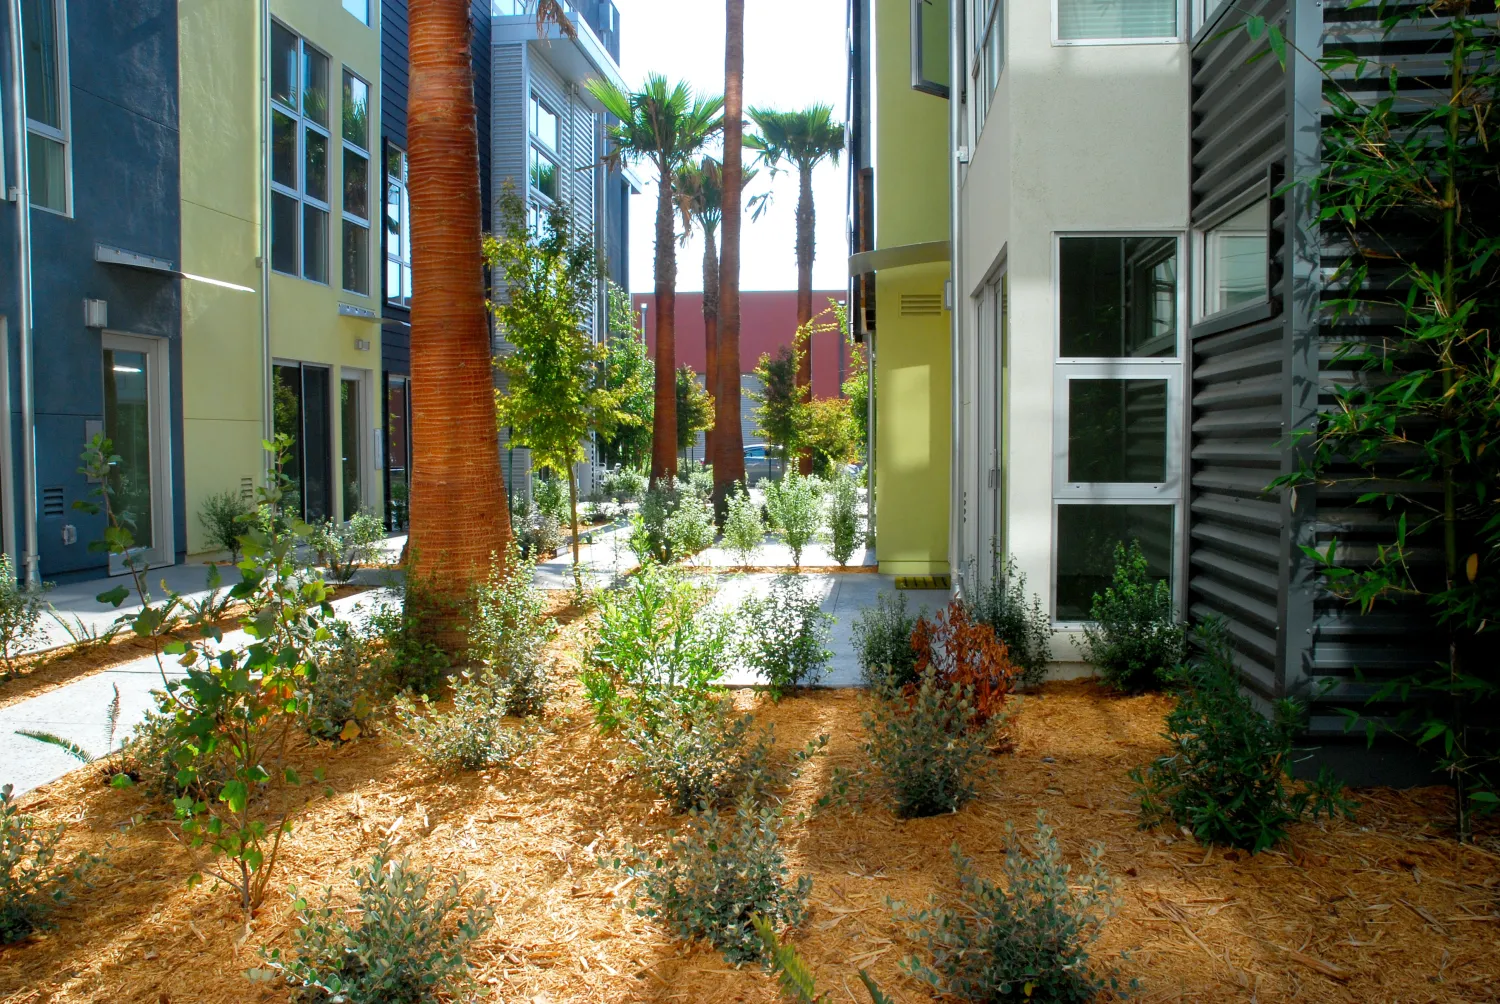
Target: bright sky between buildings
{"x":794,"y":57}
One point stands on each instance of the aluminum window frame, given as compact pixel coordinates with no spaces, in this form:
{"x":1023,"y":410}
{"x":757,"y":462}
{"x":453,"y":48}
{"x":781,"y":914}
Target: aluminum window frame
{"x":918,"y":81}
{"x":62,"y":135}
{"x":1170,"y":492}
{"x":992,"y":14}
{"x":401,"y":258}
{"x":362,"y":19}
{"x":348,"y":147}
{"x":1179,"y":37}
{"x":1201,"y":269}
{"x":300,"y":195}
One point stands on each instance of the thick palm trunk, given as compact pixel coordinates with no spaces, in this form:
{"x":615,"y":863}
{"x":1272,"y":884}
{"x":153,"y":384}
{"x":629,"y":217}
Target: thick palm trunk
{"x":710,"y":331}
{"x":806,"y":222}
{"x":459,"y":521}
{"x":664,"y":425}
{"x":729,"y":464}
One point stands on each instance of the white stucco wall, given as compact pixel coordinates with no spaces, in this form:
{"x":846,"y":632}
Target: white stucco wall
{"x":1078,"y":138}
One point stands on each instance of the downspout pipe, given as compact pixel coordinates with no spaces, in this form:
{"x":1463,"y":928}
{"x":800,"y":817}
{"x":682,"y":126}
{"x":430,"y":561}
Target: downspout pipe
{"x":29,"y":557}
{"x":267,"y":415}
{"x":956,"y":316}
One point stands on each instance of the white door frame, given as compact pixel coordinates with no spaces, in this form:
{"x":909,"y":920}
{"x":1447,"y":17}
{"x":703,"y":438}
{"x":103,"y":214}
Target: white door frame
{"x":367,"y":470}
{"x":159,"y":401}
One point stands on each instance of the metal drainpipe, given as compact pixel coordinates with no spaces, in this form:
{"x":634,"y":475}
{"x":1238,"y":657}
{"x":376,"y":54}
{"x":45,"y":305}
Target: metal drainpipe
{"x":7,"y":458}
{"x":29,"y":557}
{"x":267,"y":414}
{"x":955,"y":477}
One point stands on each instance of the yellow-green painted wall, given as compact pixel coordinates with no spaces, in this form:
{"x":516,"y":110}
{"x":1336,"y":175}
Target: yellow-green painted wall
{"x":913,"y":370}
{"x":220,"y":80}
{"x":224,"y":369}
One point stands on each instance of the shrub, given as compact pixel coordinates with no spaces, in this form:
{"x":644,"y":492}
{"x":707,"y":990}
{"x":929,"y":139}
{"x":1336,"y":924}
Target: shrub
{"x":403,"y":944}
{"x":509,"y":631}
{"x":1228,"y":776}
{"x":33,"y":882}
{"x":658,"y":646}
{"x":1133,"y":637}
{"x":473,"y":733}
{"x":671,"y":523}
{"x":344,"y":695}
{"x":624,"y":484}
{"x":964,"y":651}
{"x":715,"y":877}
{"x":345,"y":549}
{"x":149,"y":756}
{"x":793,"y":509}
{"x":690,"y":527}
{"x":743,"y":530}
{"x":539,"y":533}
{"x":551,"y":498}
{"x":704,"y":757}
{"x":784,"y":634}
{"x":928,"y":747}
{"x":408,"y":629}
{"x":882,"y":639}
{"x":20,"y":617}
{"x":793,"y":973}
{"x":1025,"y":630}
{"x":698,"y":476}
{"x":843,"y":517}
{"x":224,"y":516}
{"x":1026,"y":940}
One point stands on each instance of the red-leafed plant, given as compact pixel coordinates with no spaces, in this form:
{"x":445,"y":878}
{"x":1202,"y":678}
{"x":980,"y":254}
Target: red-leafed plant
{"x":966,"y":652}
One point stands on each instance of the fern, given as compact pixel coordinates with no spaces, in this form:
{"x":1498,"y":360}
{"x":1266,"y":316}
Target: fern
{"x":68,"y":746}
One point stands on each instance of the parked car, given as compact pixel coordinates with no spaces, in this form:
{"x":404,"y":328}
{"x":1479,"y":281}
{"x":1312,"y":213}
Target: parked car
{"x":760,"y":464}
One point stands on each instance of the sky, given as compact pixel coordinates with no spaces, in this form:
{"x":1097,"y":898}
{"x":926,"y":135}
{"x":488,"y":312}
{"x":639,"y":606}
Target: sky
{"x":794,"y":57}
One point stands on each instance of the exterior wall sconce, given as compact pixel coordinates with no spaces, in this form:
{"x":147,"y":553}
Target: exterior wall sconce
{"x":96,"y":313}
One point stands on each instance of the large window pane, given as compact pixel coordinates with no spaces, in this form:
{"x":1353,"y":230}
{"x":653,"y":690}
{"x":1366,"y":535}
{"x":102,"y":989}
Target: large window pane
{"x":314,"y":244}
{"x":283,"y":66}
{"x":48,"y":173}
{"x":1235,"y":259}
{"x":317,"y":443}
{"x":350,"y":427}
{"x":356,"y":110}
{"x":396,"y":435}
{"x":284,"y":256}
{"x":41,"y":62}
{"x":544,"y":124}
{"x":1118,"y":297}
{"x":1080,"y":20}
{"x":356,"y":185}
{"x":359,"y":8}
{"x":543,"y":175}
{"x":356,"y":258}
{"x":930,"y":53}
{"x":283,"y":149}
{"x":1117,"y":431}
{"x":1087,"y":535}
{"x":315,"y":85}
{"x":286,"y":420}
{"x":127,"y":423}
{"x":315,"y":181}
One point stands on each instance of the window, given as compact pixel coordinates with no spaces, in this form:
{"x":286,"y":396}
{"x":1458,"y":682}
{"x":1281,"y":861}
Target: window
{"x":356,"y":219}
{"x":397,"y":229}
{"x":1207,"y":11}
{"x":1117,"y":474}
{"x":1116,"y":20}
{"x":988,"y":58}
{"x":45,"y":66}
{"x":359,"y":8}
{"x":929,"y":46}
{"x":299,"y":157}
{"x":543,"y":174}
{"x":546,"y":141}
{"x":1235,"y":260}
{"x":544,"y":125}
{"x":351,"y":442}
{"x":302,"y":410}
{"x":398,"y":451}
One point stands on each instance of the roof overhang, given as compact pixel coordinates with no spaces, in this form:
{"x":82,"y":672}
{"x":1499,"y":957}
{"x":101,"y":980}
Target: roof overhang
{"x":577,"y":60}
{"x":898,"y":257}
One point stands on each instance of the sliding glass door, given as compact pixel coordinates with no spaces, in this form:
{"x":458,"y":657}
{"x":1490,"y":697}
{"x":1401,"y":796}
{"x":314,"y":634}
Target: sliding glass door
{"x":303,"y":415}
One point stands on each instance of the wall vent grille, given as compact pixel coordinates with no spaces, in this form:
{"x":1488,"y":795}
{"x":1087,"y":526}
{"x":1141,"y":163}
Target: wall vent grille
{"x":54,"y":503}
{"x":921,"y":304}
{"x":247,"y":489}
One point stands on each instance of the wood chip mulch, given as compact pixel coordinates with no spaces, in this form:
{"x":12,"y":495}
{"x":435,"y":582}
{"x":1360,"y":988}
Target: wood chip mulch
{"x":1389,"y":908}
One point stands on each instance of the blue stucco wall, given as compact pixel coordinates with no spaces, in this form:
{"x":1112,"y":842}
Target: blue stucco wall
{"x":122,"y":60}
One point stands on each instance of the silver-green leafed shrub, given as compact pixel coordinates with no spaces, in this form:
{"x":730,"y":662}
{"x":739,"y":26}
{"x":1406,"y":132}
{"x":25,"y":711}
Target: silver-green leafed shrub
{"x":21,"y":609}
{"x":784,"y":634}
{"x":224,"y":517}
{"x":843,"y":517}
{"x":1025,"y":628}
{"x":403,"y":944}
{"x":705,"y":756}
{"x":352,"y":680}
{"x":795,"y":510}
{"x":473,"y":733}
{"x":743,"y":530}
{"x":33,"y":882}
{"x":509,"y":631}
{"x":345,"y":548}
{"x":551,"y":497}
{"x":1027,"y":939}
{"x":882,"y":640}
{"x":928,"y":747}
{"x":724,"y":869}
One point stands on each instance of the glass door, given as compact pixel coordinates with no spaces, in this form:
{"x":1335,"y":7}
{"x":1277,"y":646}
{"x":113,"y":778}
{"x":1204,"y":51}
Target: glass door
{"x":302,"y":413}
{"x":991,"y":440}
{"x":398,"y":451}
{"x":351,"y":442}
{"x":133,"y":398}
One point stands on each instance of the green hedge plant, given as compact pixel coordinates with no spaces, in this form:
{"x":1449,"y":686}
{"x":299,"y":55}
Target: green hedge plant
{"x":783,"y":636}
{"x":843,"y":517}
{"x":1133,"y":637}
{"x":744,"y":531}
{"x":794,"y":509}
{"x":224,"y":517}
{"x":882,"y":641}
{"x":509,"y":632}
{"x":1025,"y":628}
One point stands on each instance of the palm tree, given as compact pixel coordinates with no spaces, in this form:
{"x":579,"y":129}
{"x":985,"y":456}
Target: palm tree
{"x":665,"y":125}
{"x":699,"y":199}
{"x":729,"y":463}
{"x":803,"y":139}
{"x":459,"y":518}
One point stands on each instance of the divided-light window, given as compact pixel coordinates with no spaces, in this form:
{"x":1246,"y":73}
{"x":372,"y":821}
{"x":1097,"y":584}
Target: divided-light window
{"x":1093,"y":21}
{"x":45,"y":67}
{"x":1236,"y":260}
{"x":299,"y":157}
{"x":546,"y":142}
{"x":1117,"y":473}
{"x":397,"y":229}
{"x":356,"y":217}
{"x":988,"y":58}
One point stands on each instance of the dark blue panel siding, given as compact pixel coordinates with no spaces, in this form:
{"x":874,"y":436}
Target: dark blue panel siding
{"x":394,"y":71}
{"x":122,"y":61}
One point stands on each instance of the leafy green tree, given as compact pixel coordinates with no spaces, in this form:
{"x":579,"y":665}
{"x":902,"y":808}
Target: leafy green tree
{"x":556,"y":393}
{"x":857,"y":385}
{"x":695,"y":407}
{"x":665,"y":124}
{"x":827,"y":432}
{"x":778,"y":413}
{"x":630,"y":373}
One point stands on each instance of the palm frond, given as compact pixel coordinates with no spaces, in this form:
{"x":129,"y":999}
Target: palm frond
{"x":69,"y":747}
{"x":552,"y":12}
{"x":112,"y":719}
